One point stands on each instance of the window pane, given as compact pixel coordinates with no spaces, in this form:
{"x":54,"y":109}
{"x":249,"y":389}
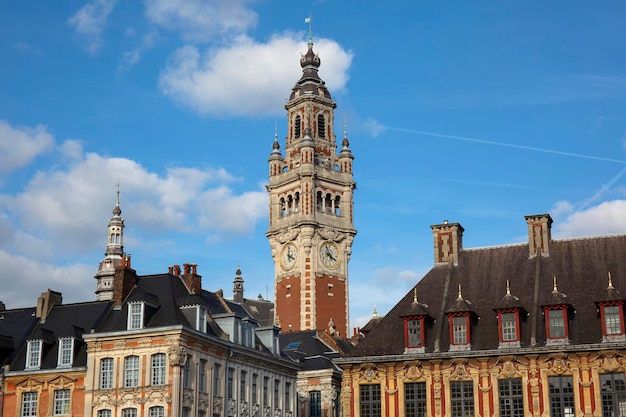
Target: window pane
{"x":158,"y":369}
{"x":106,"y":373}
{"x":561,"y":390}
{"x":557,"y":325}
{"x":131,"y":371}
{"x":415,"y":399}
{"x":61,"y":402}
{"x":370,"y":400}
{"x":509,"y":331}
{"x":462,"y":398}
{"x":104,"y":413}
{"x":612,"y":320}
{"x":613,"y":387}
{"x":157,"y":412}
{"x":129,"y":412}
{"x":415,"y":334}
{"x":459,"y":330}
{"x":315,"y":404}
{"x":511,"y":397}
{"x":29,"y":404}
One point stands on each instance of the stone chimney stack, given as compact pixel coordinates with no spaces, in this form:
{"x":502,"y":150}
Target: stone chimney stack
{"x":124,"y":280}
{"x":448,"y":239}
{"x":539,"y":234}
{"x":46,"y":301}
{"x":190,"y":277}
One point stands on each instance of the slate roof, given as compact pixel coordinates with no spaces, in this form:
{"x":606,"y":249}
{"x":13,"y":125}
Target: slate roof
{"x":581,"y":268}
{"x":15,"y":326}
{"x":307,"y":348}
{"x":63,"y":320}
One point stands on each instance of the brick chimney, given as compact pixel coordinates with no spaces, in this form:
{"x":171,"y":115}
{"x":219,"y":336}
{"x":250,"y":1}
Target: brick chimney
{"x":192,"y":280}
{"x":46,"y":301}
{"x":539,"y":235}
{"x":448,"y":239}
{"x":124,"y":279}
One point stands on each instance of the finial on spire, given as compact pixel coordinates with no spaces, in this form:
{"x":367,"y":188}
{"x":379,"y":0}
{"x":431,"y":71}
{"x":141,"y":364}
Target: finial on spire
{"x":309,"y":20}
{"x":508,"y":288}
{"x":610,"y":287}
{"x":117,"y":210}
{"x":374,"y":314}
{"x":415,"y":295}
{"x":554,"y":289}
{"x":460,"y":296}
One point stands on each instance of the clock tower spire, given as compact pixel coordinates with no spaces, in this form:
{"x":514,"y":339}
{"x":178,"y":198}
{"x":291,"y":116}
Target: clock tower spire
{"x":311,"y":226}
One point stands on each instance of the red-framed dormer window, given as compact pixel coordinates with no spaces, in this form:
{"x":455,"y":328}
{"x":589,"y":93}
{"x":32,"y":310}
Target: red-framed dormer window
{"x":612,"y":317}
{"x":459,"y":324}
{"x":414,"y":332}
{"x":508,"y":326}
{"x":556,"y":323}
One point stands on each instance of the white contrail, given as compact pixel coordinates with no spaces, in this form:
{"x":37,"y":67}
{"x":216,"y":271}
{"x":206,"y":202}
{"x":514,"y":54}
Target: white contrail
{"x":506,"y":145}
{"x":606,"y":187}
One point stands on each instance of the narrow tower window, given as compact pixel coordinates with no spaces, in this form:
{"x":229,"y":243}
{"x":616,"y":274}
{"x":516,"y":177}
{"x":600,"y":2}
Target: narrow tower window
{"x":296,"y":127}
{"x":321,"y":126}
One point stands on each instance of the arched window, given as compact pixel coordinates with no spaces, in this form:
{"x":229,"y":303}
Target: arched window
{"x":328,"y":203}
{"x":296,"y":126}
{"x":297,"y":203}
{"x":337,"y":206}
{"x":319,"y":203}
{"x":289,"y":205}
{"x":321,"y":126}
{"x":282,"y":207}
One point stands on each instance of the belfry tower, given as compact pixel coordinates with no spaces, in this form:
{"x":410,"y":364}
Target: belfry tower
{"x":311,"y":226}
{"x":112,"y":255}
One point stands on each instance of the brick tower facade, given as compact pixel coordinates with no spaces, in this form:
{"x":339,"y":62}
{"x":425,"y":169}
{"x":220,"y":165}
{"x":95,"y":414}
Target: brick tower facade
{"x":311,"y":227}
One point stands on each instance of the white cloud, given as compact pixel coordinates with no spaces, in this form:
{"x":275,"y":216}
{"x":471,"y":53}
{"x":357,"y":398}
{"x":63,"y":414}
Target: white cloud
{"x":20,"y":146}
{"x":201,"y":20}
{"x":90,"y":20}
{"x":27,"y":274}
{"x":606,"y":218}
{"x":248,"y":78}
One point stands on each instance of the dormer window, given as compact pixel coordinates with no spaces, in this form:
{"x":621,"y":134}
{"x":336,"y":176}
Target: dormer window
{"x":555,"y":313}
{"x":557,"y":331}
{"x":508,"y":328}
{"x":135,"y":315}
{"x":33,"y":354}
{"x":612,"y":315}
{"x":459,"y":315}
{"x":459,"y":330}
{"x":414,"y":321}
{"x":509,"y":311}
{"x":66,"y":352}
{"x":196,"y":316}
{"x":611,"y":309}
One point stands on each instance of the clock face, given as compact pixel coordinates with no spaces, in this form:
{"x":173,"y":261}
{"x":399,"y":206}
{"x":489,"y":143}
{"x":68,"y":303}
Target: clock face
{"x":329,"y":254}
{"x":288,"y":256}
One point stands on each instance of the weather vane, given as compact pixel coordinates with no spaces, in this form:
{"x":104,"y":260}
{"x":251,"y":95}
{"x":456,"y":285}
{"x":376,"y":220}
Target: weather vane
{"x":309,"y":20}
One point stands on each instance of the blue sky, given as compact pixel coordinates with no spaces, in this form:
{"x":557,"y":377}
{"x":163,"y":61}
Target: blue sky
{"x":478,"y":113}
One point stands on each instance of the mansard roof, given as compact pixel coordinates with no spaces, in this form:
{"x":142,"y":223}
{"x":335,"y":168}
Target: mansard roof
{"x":15,"y":326}
{"x":63,"y":321}
{"x":579,"y":265}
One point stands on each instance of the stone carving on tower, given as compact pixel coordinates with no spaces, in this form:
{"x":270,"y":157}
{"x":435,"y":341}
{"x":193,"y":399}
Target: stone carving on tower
{"x":311,"y":226}
{"x":113,"y":255}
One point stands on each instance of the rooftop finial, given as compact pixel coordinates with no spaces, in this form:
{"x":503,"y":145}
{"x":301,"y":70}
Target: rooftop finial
{"x":554,"y":289}
{"x":508,"y":288}
{"x":117,"y":210}
{"x":460,"y":296}
{"x":375,"y":314}
{"x":309,"y":20}
{"x":415,"y":295}
{"x":610,"y":287}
